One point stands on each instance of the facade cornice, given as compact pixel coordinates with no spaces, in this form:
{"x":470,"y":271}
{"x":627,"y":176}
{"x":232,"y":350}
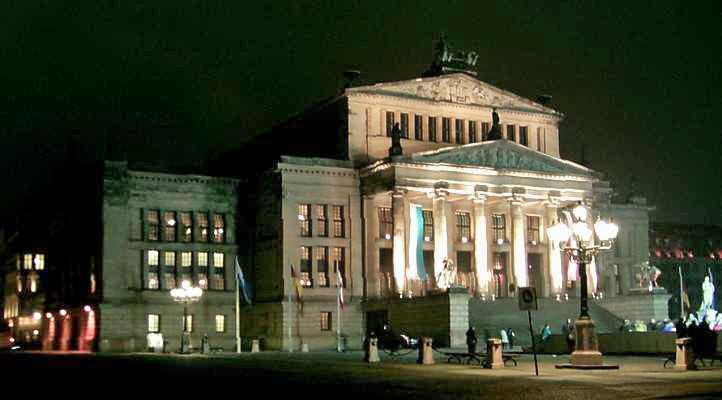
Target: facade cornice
{"x":139,"y":176}
{"x":309,"y":170}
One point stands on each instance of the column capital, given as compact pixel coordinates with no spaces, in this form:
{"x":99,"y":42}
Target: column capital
{"x":517,"y":195}
{"x":398,"y":192}
{"x":480,"y":194}
{"x":553,"y":198}
{"x":441,"y":190}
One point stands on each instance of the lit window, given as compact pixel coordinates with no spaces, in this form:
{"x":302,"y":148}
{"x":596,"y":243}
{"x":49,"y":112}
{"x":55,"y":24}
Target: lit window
{"x":33,"y":282}
{"x":463,"y":226}
{"x":202,"y":258}
{"x":153,"y":323}
{"x":186,"y":259}
{"x":322,"y":266}
{"x":169,"y":258}
{"x":169,"y":280}
{"x":28,"y":261}
{"x":306,"y":279}
{"x":39,"y":262}
{"x":339,"y":262}
{"x":203,"y":226}
{"x":325,"y":320}
{"x":532,"y":229}
{"x":428,"y":225}
{"x":169,"y":226}
{"x":218,"y":260}
{"x":321,"y":220}
{"x":338,"y":222}
{"x":152,"y":282}
{"x":153,"y":257}
{"x":219,"y":280}
{"x":220,"y":323}
{"x":219,"y":228}
{"x":92,"y":283}
{"x":202,"y":280}
{"x":189,"y":323}
{"x":304,"y":219}
{"x":386,"y":223}
{"x":20,"y":284}
{"x":498,"y":227}
{"x":186,"y":227}
{"x":152,"y":222}
{"x":404,"y":125}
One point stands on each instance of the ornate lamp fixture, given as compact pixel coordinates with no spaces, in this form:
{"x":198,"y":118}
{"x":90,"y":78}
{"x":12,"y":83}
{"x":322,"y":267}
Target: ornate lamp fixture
{"x":186,"y":294}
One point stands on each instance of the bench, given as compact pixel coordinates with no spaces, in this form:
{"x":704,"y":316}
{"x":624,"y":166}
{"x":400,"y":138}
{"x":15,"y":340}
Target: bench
{"x":479,"y":358}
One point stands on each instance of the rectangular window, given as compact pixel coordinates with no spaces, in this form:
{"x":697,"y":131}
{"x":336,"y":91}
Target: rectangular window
{"x":321,"y":220}
{"x":325,"y":320}
{"x":220,"y":323}
{"x":511,"y":132}
{"x":202,"y":259}
{"x":39,"y":262}
{"x":498,"y":228}
{"x":404,"y":125}
{"x":186,"y":276}
{"x":186,"y":227}
{"x":202,"y":280}
{"x":219,"y":279}
{"x":153,"y":323}
{"x":203,"y":226}
{"x":219,"y":228}
{"x":28,"y":261}
{"x":218,"y":260}
{"x":472,"y":131}
{"x":428,"y":225}
{"x":446,"y":130}
{"x":322,"y":266}
{"x":152,"y":220}
{"x":459,"y":131}
{"x":432,"y":129}
{"x":188,"y":326}
{"x":418,"y":127}
{"x":304,"y":220}
{"x":152,"y":280}
{"x":185,"y":259}
{"x":169,"y":258}
{"x":463,"y":226}
{"x":169,"y":226}
{"x":532,"y":229}
{"x":389,"y":122}
{"x":153,"y":257}
{"x":339,"y":261}
{"x":463,"y":265}
{"x":541,"y":140}
{"x":306,"y":277}
{"x":169,"y":280}
{"x":524,"y":136}
{"x":485,"y":127}
{"x":386,"y":223}
{"x":339,"y":226}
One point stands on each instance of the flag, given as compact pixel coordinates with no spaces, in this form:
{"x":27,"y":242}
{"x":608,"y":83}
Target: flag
{"x":296,"y":285}
{"x":339,"y":283}
{"x":416,"y":243}
{"x":711,"y":280}
{"x":684,"y":298}
{"x":243,"y":285}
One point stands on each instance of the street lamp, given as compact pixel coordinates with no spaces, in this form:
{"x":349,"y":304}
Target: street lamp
{"x":186,"y":294}
{"x":581,"y":243}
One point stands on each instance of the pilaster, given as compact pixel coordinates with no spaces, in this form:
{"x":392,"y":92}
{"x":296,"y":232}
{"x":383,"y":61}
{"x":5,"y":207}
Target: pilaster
{"x":481,"y":247}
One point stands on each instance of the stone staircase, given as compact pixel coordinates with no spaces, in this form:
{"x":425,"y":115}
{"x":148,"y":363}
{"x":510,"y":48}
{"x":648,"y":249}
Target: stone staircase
{"x":489,"y":317}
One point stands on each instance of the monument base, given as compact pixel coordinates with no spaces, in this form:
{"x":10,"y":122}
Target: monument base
{"x":586,"y":355}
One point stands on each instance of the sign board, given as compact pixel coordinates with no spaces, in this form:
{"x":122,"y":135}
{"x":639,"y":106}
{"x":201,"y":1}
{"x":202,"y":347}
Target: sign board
{"x":527,"y":299}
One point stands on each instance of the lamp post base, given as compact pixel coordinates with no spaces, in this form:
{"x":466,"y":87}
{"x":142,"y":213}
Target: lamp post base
{"x":586,"y":355}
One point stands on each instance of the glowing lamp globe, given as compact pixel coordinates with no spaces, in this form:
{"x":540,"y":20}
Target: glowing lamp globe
{"x":558,"y":232}
{"x":580,"y":213}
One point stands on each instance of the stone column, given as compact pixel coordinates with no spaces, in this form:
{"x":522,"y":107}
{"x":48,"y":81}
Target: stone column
{"x":481,"y":250}
{"x":440,"y":229}
{"x":518,"y":243}
{"x":554,"y":259}
{"x":399,"y":249}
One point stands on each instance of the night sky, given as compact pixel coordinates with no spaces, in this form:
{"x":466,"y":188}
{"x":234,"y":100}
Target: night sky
{"x":175,"y":82}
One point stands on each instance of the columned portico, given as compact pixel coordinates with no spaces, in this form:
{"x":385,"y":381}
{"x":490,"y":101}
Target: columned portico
{"x":441,"y":237}
{"x":399,"y":243}
{"x":518,"y":242}
{"x":481,"y":249}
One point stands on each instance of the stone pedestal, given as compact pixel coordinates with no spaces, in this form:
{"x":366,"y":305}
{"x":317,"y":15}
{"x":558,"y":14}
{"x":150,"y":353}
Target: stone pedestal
{"x":684,"y":358}
{"x":372,"y":351}
{"x":426,"y":355}
{"x":493,"y":354}
{"x":255,"y":347}
{"x":587,"y":354}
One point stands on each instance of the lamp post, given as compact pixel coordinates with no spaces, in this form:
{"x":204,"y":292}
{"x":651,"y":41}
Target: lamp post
{"x":186,"y":294}
{"x":581,"y":243}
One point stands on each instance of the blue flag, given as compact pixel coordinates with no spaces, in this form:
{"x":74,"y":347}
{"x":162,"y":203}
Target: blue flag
{"x":243,"y":285}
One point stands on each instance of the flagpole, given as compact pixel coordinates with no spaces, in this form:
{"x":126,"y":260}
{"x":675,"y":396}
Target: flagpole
{"x":338,"y":307}
{"x":238,"y":312}
{"x":681,"y":294}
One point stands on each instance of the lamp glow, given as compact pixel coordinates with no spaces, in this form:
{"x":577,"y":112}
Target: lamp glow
{"x":37,"y":315}
{"x":86,"y":308}
{"x":63,"y":312}
{"x":48,"y":315}
{"x":580,"y":213}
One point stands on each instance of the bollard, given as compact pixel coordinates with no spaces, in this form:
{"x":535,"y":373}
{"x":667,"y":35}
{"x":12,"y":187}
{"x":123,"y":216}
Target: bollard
{"x":304,"y":348}
{"x":372,"y":351}
{"x":493,"y":354}
{"x":426,"y":356}
{"x":684,"y":357}
{"x":255,"y":348}
{"x":205,"y":345}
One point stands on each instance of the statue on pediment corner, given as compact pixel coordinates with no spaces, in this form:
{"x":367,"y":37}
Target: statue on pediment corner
{"x":395,"y":149}
{"x":495,"y":132}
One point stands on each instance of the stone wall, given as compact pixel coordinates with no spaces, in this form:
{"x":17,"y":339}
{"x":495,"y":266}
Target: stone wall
{"x":638,"y":307}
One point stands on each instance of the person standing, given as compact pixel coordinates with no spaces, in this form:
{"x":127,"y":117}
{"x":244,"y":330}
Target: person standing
{"x":471,"y":340}
{"x":512,"y":336}
{"x":504,"y":339}
{"x":571,"y":336}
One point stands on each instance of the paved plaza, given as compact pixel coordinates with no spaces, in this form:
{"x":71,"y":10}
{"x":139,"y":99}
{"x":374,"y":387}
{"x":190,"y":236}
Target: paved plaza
{"x":346,"y":376}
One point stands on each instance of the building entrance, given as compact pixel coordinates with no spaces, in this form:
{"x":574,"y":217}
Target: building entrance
{"x":535,"y":272}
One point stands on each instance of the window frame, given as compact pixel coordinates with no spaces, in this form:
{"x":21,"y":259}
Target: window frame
{"x":390,"y":121}
{"x":322,"y":220}
{"x":472,"y":131}
{"x":446,"y":129}
{"x":304,"y":220}
{"x":152,"y":225}
{"x":386,"y":223}
{"x":428,"y":224}
{"x":404,"y":125}
{"x":524,"y":136}
{"x":149,"y":324}
{"x":432,"y":129}
{"x":339,"y":221}
{"x":463,"y":226}
{"x":326,"y":321}
{"x":222,"y":321}
{"x":459,"y":130}
{"x":533,"y":230}
{"x":498,"y":229}
{"x":418,"y":127}
{"x":511,"y":132}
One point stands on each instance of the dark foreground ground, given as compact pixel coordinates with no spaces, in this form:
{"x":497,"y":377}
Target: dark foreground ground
{"x":322,"y":375}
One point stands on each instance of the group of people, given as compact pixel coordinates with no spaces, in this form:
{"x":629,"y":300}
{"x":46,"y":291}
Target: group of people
{"x":666,"y":326}
{"x":507,"y":338}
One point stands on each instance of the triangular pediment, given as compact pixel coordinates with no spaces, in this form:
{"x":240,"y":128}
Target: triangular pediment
{"x":498,"y":154}
{"x":454,"y":88}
